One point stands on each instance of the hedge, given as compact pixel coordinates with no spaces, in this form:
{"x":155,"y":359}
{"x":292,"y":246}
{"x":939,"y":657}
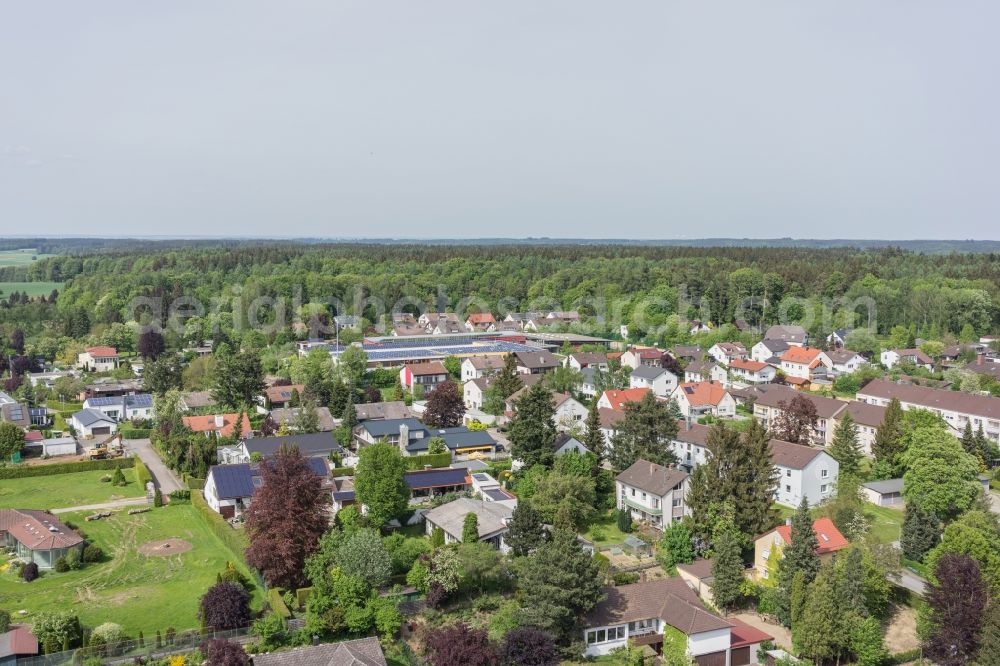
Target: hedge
{"x":302,"y":596}
{"x":24,"y":471}
{"x":194,"y":483}
{"x":905,"y":657}
{"x":342,"y":471}
{"x":277,"y":603}
{"x":135,"y":433}
{"x":142,"y":474}
{"x":235,"y":540}
{"x":428,"y":460}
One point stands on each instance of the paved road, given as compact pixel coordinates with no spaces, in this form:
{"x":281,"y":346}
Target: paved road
{"x":163,"y":477}
{"x":910,"y":581}
{"x":117,"y":504}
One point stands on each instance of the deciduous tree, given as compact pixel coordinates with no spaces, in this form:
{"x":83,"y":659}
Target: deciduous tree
{"x":644,"y":432}
{"x":239,"y":377}
{"x":279,"y":545}
{"x":957,"y":603}
{"x":225,"y":606}
{"x":795,"y":421}
{"x":459,"y":645}
{"x":445,"y":407}
{"x":363,"y":554}
{"x":151,"y":344}
{"x":220,"y":652}
{"x":379,"y":482}
{"x":940,"y":476}
{"x":527,"y":646}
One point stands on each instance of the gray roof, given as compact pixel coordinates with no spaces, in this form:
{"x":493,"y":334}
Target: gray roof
{"x":787,"y":332}
{"x":648,"y":372}
{"x":359,"y":652}
{"x":317,"y":443}
{"x":289,"y":414}
{"x":885,"y":486}
{"x":395,"y":409}
{"x":88,"y":417}
{"x":774,"y":345}
{"x":471,"y":465}
{"x":450,"y":517}
{"x":655,"y":479}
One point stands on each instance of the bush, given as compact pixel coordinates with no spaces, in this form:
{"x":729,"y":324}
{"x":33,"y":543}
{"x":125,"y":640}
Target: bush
{"x":142,"y":474}
{"x":277,"y":603}
{"x":225,"y":606}
{"x":342,"y":471}
{"x":233,"y":575}
{"x":106,"y":478}
{"x":118,"y":478}
{"x":4,"y":621}
{"x":73,"y":560}
{"x":220,"y":652}
{"x":29,"y":572}
{"x":624,"y":521}
{"x":625,"y":577}
{"x":25,"y":471}
{"x":428,"y":460}
{"x":180,"y":496}
{"x":93,"y":553}
{"x":135,"y":433}
{"x":157,"y":498}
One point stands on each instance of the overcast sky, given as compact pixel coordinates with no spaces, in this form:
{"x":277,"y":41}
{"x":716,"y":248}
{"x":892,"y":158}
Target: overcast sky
{"x":432,"y":118}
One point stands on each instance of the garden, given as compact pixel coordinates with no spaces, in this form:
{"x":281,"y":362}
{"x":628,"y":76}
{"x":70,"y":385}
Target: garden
{"x":140,"y":584}
{"x":68,"y":490}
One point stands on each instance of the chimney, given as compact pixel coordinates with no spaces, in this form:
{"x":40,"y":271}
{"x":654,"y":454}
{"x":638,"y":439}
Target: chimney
{"x":219,"y":421}
{"x":404,"y":437}
{"x":980,"y":357}
{"x":788,"y":521}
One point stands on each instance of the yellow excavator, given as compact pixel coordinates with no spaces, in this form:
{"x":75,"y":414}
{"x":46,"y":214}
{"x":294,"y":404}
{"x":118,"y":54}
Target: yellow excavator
{"x":108,"y":449}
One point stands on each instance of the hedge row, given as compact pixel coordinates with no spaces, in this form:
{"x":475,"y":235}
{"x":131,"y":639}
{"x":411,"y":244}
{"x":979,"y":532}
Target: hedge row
{"x":302,"y":596}
{"x":342,"y":471}
{"x":142,"y":474}
{"x":194,"y":483}
{"x":235,"y":540}
{"x":277,"y":603}
{"x":428,"y":460}
{"x":135,"y":433}
{"x":24,"y":471}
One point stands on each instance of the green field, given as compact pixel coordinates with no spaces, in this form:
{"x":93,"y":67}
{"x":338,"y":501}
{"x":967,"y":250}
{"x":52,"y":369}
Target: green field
{"x":142,"y":593}
{"x":66,"y":490}
{"x":30,"y":288}
{"x":21,"y":257}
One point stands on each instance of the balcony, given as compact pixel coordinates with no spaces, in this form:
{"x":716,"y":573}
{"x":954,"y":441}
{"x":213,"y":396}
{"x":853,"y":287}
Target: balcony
{"x":632,"y":504}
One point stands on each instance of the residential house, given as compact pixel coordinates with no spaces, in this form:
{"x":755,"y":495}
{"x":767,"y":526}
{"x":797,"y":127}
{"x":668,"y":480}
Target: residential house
{"x":612,"y":399}
{"x":219,"y":425}
{"x":566,"y":317}
{"x":474,"y":392}
{"x":582,"y":360}
{"x":565,"y":443}
{"x":197,"y":400}
{"x":699,"y":326}
{"x":123,"y":408}
{"x":955,"y":407}
{"x":426,"y":375}
{"x":654,"y":494}
{"x":803,"y":471}
{"x":483,"y":321}
{"x":743,"y":326}
{"x":89,"y":423}
{"x":690,"y":445}
{"x":793,"y":334}
{"x":37,"y":536}
{"x":768,"y":351}
{"x":17,"y":644}
{"x":569,"y":412}
{"x":610,"y":418}
{"x":535,"y":362}
{"x":846,"y":361}
{"x":807,"y":363}
{"x":289,"y":416}
{"x":634,"y":357}
{"x":982,"y":366}
{"x":751,"y":372}
{"x":97,"y":359}
{"x":892,"y":357}
{"x":888,"y":492}
{"x":282,"y":396}
{"x":492,"y":519}
{"x":687,"y":353}
{"x":346,"y":321}
{"x":108,"y":387}
{"x":770,"y":404}
{"x":441,"y":323}
{"x":727,"y":352}
{"x":474,"y":367}
{"x":828,"y":537}
{"x":588,"y":382}
{"x":48,"y":379}
{"x":705,"y":371}
{"x":413,"y":437}
{"x":641,"y":613}
{"x":866,"y":417}
{"x":394,"y":409}
{"x":310,"y":445}
{"x":229,"y":489}
{"x":12,"y":411}
{"x":356,"y":652}
{"x":838,"y":339}
{"x":697,"y":399}
{"x":659,"y":380}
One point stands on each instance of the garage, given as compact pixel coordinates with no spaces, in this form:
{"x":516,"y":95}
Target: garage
{"x":712,"y":659}
{"x":101,"y":430}
{"x":739,"y":656}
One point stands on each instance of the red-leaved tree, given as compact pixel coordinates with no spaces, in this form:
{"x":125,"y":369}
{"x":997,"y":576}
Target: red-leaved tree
{"x":458,"y":645}
{"x":445,"y":407}
{"x":220,"y":652}
{"x":286,"y":517}
{"x":958,"y":603}
{"x":151,"y":344}
{"x":527,"y":646}
{"x":226,"y":606}
{"x":795,"y":421}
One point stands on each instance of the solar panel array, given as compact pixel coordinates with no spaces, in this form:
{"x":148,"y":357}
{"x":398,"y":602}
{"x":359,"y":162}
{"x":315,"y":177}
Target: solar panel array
{"x":427,"y":351}
{"x":139,"y":400}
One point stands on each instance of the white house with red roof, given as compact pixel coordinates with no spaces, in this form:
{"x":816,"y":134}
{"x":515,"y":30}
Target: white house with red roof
{"x":727,"y":352}
{"x":636,"y":356}
{"x":612,"y":399}
{"x":98,"y":359}
{"x":805,"y":362}
{"x":828,"y":537}
{"x":37,"y":536}
{"x":702,"y":398}
{"x":481,"y":321}
{"x":751,"y":372}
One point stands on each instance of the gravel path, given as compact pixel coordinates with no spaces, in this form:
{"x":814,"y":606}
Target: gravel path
{"x":163,"y":477}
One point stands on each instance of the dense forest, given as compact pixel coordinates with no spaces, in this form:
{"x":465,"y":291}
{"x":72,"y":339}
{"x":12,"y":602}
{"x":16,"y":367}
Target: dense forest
{"x":653,"y":290}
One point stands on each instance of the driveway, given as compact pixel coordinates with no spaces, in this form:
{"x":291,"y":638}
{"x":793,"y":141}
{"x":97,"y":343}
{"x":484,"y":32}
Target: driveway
{"x":163,"y":477}
{"x":105,"y":506}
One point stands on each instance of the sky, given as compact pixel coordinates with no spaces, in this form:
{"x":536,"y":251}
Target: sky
{"x":647,"y":119}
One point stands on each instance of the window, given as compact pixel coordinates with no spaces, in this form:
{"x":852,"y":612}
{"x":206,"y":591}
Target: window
{"x":677,"y":502}
{"x":656,"y":503}
{"x":633,"y":492}
{"x":764,"y":573}
{"x":601,"y":636}
{"x":644,"y":497}
{"x":823,"y":489}
{"x":823,"y":473}
{"x":591,"y":637}
{"x":788,"y":489}
{"x":788,"y":472}
{"x":765,"y":554}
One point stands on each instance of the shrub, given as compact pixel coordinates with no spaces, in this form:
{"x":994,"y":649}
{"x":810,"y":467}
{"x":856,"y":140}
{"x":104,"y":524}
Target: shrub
{"x":624,"y":520}
{"x":277,"y":604}
{"x":625,"y":577}
{"x":342,"y":471}
{"x":142,"y":474}
{"x":233,"y":575}
{"x":108,"y":634}
{"x":225,"y":606}
{"x":73,"y":560}
{"x":60,"y":565}
{"x":181,"y":495}
{"x":289,"y":598}
{"x":220,"y":652}
{"x":118,"y":479}
{"x":93,"y":553}
{"x":4,"y":621}
{"x":29,"y":572}
{"x":25,"y":471}
{"x":157,"y":498}
{"x":106,"y":478}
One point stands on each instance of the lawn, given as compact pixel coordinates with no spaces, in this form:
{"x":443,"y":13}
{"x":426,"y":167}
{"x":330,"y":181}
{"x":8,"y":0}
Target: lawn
{"x":141,"y":593}
{"x":30,"y":288}
{"x":886,"y":522}
{"x":604,"y":531}
{"x":66,"y":490}
{"x":21,"y":257}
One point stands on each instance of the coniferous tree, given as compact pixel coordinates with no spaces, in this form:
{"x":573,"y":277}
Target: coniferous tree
{"x":532,"y":429}
{"x":727,"y":569}
{"x":798,"y":556}
{"x":821,"y":632}
{"x":989,"y":636}
{"x":644,"y":432}
{"x":525,"y":532}
{"x":850,"y":583}
{"x":888,"y":444}
{"x":737,"y":470}
{"x":969,"y":442}
{"x":921,"y":532}
{"x":508,"y":381}
{"x":470,"y":528}
{"x":845,"y":448}
{"x":988,"y":450}
{"x":594,"y":439}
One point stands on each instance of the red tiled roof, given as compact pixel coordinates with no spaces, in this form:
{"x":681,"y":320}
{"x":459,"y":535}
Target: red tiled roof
{"x":283,"y":393}
{"x":425,"y":369}
{"x":742,"y":634}
{"x":207,"y":424}
{"x":482,"y":318}
{"x":33,"y":436}
{"x":748,"y":365}
{"x":702,"y":393}
{"x":829,"y":537}
{"x":610,"y":417}
{"x":37,"y":530}
{"x":102,"y":351}
{"x":619,"y":399}
{"x":20,"y":641}
{"x":801,"y":355}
